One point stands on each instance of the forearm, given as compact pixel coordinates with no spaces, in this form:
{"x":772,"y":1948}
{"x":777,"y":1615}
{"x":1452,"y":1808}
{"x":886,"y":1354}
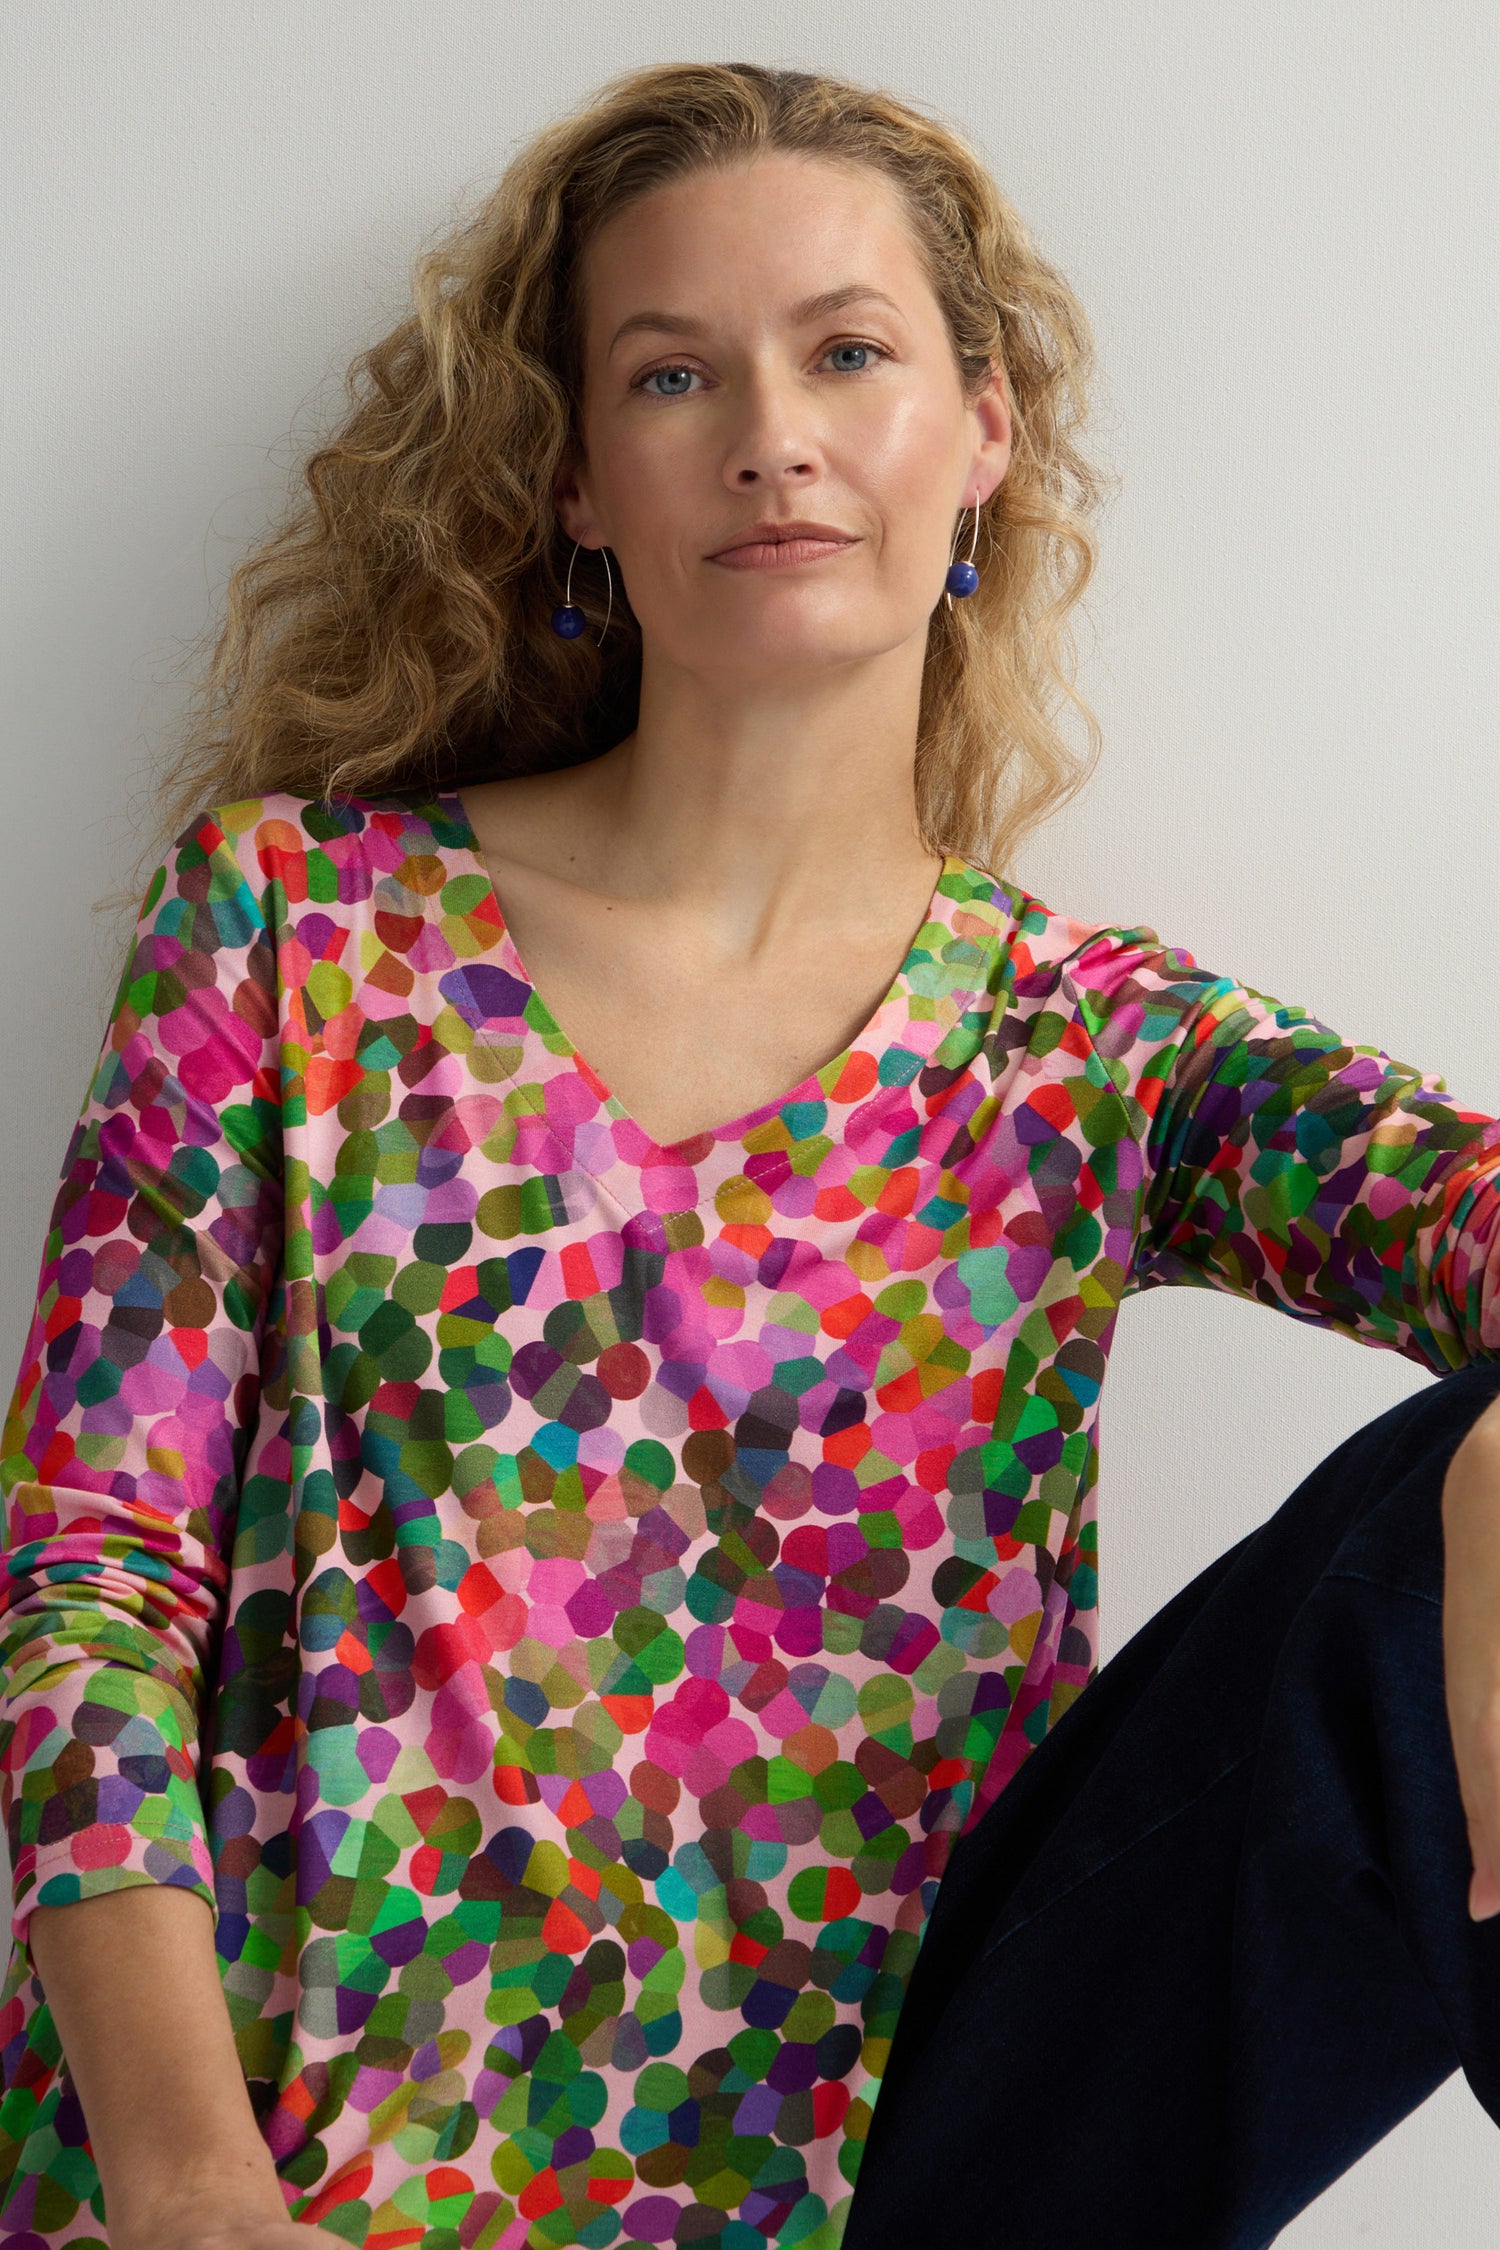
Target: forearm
{"x":133,"y":1983}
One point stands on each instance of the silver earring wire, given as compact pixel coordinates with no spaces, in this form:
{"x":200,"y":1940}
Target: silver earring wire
{"x":957,"y":535}
{"x":609,"y":574}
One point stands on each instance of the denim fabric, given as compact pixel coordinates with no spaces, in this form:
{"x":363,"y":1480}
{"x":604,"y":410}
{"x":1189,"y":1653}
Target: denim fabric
{"x":1240,"y":1861}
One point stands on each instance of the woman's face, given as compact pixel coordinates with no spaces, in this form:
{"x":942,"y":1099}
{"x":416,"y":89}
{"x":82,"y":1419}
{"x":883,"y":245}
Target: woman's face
{"x":763,"y":345}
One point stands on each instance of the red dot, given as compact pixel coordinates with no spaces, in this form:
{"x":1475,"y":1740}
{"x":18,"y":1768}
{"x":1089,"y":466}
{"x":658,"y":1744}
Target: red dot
{"x":841,"y":1896}
{"x":624,"y":1370}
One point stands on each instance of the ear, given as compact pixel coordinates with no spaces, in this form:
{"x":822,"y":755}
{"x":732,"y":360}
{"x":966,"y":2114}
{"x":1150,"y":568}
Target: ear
{"x":991,"y":415}
{"x":575,"y":511}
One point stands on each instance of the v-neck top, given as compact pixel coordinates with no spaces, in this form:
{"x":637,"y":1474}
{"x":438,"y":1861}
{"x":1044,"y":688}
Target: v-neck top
{"x":558,"y":1598}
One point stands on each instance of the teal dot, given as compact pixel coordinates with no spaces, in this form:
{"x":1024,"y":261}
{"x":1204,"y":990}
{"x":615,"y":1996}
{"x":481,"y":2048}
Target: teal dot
{"x":898,"y":1067}
{"x":557,"y":1445}
{"x":803,"y":1119}
{"x":676,"y":1895}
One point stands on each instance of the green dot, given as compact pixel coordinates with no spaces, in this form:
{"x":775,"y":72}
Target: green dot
{"x":807,"y":1892}
{"x":885,"y":1701}
{"x":754,"y":2052}
{"x":419,"y":1286}
{"x":651,"y":1460}
{"x":329,"y":988}
{"x":662,"y":2087}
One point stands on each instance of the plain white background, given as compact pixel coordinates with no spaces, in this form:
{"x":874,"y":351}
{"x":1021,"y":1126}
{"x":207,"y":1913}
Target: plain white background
{"x":1282,"y":219}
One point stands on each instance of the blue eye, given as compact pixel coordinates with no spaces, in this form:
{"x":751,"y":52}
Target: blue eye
{"x":655,"y":371}
{"x":850,"y":348}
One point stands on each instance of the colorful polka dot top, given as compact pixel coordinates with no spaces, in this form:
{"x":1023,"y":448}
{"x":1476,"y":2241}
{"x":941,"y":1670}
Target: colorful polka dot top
{"x":557,"y":1597}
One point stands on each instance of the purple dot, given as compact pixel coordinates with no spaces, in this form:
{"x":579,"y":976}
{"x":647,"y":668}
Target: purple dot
{"x":653,"y":2219}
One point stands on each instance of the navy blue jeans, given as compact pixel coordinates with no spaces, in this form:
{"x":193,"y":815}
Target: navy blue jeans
{"x":1213,"y":1941}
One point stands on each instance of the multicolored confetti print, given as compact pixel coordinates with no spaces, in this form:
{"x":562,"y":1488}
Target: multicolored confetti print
{"x":559,"y":1597}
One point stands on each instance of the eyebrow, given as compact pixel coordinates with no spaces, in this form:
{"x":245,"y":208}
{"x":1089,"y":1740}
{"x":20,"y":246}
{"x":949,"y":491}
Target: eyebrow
{"x":810,"y":308}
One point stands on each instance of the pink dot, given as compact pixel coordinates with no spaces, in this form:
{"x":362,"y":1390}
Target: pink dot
{"x":669,"y":1187}
{"x":106,"y":1845}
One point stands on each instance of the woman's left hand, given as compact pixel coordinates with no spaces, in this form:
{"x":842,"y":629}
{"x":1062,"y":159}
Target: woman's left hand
{"x":1471,"y":1644}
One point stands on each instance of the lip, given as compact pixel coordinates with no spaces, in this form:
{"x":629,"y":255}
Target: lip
{"x":781,"y":546}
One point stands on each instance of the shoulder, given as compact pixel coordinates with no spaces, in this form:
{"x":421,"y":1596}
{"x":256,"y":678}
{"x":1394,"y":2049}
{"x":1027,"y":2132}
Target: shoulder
{"x":1045,"y":960}
{"x":1040,"y":935}
{"x":290,"y":849}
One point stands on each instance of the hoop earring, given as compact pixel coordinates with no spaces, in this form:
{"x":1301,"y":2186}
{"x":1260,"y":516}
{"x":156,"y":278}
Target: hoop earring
{"x":962,"y":576}
{"x":568,"y":619}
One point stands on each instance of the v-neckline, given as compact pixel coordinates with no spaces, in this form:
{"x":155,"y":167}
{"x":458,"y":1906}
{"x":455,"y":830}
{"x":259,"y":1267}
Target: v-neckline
{"x":691,"y":1149}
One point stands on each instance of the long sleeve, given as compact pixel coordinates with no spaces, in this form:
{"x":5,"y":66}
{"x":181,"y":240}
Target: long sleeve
{"x":1284,"y":1164}
{"x":137,"y":1395}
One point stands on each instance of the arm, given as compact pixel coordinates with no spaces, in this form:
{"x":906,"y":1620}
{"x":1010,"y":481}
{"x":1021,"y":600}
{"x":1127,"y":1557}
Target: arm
{"x":133,"y":1984}
{"x":1284,"y":1164}
{"x":1471,"y":1646}
{"x":138,"y":1393}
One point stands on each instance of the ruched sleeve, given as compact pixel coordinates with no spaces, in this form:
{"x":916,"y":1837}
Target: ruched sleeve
{"x":1285,"y":1164}
{"x":138,"y":1392}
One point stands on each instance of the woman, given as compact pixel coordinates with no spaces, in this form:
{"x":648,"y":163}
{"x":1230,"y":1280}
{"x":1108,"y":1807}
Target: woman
{"x":553,"y":1477}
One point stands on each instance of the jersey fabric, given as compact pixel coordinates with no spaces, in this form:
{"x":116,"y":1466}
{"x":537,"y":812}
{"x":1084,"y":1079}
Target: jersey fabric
{"x":558,"y":1597}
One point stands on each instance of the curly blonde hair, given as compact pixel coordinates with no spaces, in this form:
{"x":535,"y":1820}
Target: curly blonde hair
{"x":394,"y":631}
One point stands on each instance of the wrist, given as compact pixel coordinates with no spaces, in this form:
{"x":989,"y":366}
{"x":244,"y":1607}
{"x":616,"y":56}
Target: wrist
{"x":213,"y":2199}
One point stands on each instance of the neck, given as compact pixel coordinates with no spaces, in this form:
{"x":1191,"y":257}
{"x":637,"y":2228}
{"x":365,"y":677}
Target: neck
{"x":730,"y":806}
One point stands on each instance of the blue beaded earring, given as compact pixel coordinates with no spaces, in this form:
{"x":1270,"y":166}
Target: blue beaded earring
{"x":568,"y":620}
{"x":962,"y":576}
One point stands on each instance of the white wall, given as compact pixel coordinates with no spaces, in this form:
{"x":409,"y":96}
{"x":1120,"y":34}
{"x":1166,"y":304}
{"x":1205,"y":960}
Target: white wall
{"x":1281,"y":216}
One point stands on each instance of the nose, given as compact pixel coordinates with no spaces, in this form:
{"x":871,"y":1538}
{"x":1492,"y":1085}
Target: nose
{"x":772,"y":441}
